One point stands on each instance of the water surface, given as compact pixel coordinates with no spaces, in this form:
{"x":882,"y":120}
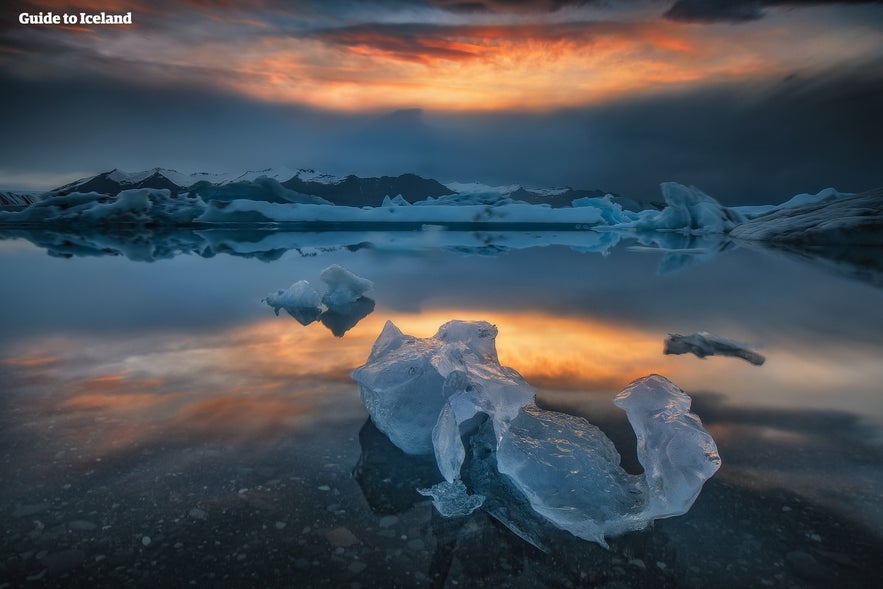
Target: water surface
{"x":160,"y":425}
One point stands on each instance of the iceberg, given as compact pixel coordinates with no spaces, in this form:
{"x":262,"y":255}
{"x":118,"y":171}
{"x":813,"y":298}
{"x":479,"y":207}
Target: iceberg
{"x":344,"y":287}
{"x":704,"y":344}
{"x":340,"y":309}
{"x":687,"y":210}
{"x":449,"y":396}
{"x":830,"y":219}
{"x":300,"y":300}
{"x":134,"y":207}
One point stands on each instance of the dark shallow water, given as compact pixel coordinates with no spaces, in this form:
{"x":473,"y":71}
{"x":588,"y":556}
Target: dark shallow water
{"x":160,"y":426}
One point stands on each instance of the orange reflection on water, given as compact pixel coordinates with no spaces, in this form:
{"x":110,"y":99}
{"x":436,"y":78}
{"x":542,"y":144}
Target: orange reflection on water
{"x":555,"y":351}
{"x":270,"y":378}
{"x":32,"y":361}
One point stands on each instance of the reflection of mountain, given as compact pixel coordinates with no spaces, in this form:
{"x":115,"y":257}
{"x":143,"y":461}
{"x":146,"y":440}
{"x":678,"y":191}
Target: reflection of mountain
{"x":680,"y":251}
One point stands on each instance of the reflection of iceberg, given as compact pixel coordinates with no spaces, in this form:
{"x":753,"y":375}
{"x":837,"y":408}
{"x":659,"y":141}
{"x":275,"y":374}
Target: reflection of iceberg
{"x":704,"y":344}
{"x":340,"y":309}
{"x":267,"y":244}
{"x":680,"y":251}
{"x":430,"y":395}
{"x":342,"y":318}
{"x":687,"y":210}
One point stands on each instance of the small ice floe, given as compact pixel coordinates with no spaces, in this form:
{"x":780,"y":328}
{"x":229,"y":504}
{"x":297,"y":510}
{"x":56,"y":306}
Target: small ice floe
{"x":704,"y":344}
{"x":342,"y":306}
{"x":300,"y":300}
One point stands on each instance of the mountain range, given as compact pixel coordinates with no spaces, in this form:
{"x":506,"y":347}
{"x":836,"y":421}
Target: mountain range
{"x":308,"y":186}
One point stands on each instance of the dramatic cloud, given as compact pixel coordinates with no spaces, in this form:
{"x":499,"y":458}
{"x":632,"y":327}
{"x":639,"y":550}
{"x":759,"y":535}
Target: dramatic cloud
{"x":587,"y":94}
{"x":514,"y":55}
{"x":736,"y":11}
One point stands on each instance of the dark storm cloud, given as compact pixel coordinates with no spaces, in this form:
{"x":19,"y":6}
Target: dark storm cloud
{"x":756,"y":144}
{"x":94,"y":123}
{"x":509,"y":6}
{"x":736,"y":11}
{"x":741,"y":144}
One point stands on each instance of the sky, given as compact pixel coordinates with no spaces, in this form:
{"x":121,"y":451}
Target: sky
{"x":750,"y":100}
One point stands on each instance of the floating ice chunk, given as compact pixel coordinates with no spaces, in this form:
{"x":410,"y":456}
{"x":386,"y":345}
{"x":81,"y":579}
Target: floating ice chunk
{"x":407,"y":382}
{"x":704,"y":344}
{"x":611,"y":212}
{"x":451,"y":499}
{"x":300,"y":300}
{"x":569,"y":472}
{"x":677,"y":454}
{"x":342,"y":307}
{"x":344,"y":287}
{"x":688,"y":210}
{"x":429,"y":395}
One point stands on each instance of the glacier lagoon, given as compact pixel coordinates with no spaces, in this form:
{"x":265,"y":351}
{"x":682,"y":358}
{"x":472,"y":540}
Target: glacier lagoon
{"x":161,"y":424}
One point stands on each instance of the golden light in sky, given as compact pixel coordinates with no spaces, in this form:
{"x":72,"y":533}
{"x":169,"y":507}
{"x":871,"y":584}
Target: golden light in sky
{"x":381,"y":57}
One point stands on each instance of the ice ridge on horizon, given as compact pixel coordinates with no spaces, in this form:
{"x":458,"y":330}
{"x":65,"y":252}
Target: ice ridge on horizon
{"x":165,"y":198}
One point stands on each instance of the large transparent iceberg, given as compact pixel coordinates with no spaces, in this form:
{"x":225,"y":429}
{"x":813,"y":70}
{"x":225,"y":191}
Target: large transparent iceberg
{"x":448,"y":395}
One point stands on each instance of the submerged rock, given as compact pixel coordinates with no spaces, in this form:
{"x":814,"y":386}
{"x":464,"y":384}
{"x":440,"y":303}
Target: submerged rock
{"x":704,"y":344}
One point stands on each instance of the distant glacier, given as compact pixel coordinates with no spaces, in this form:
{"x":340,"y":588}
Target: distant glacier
{"x":275,"y":198}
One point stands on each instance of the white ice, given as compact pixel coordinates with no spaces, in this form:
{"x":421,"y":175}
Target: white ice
{"x":300,"y":300}
{"x":423,"y":392}
{"x":344,"y":287}
{"x":826,"y":217}
{"x":841,"y":219}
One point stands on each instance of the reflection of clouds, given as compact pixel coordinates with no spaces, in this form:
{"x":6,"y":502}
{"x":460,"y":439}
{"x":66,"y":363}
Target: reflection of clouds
{"x":37,"y":361}
{"x":826,"y":457}
{"x":117,"y":383}
{"x":273,"y":376}
{"x":243,"y":385}
{"x":240,"y":417}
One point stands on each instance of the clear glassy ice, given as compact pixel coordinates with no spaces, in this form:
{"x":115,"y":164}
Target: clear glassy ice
{"x":429,"y":396}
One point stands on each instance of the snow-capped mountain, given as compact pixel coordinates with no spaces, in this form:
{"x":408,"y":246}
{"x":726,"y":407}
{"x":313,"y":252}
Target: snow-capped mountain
{"x":17,"y":199}
{"x":115,"y":181}
{"x":269,"y":184}
{"x":289,"y":185}
{"x":273,"y":197}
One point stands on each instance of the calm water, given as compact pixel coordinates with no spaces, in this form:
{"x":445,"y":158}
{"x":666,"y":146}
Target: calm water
{"x":160,"y":426}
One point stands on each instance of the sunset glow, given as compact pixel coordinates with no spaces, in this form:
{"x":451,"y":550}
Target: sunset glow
{"x":432,"y":58}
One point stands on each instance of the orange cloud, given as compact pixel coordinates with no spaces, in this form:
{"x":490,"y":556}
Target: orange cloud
{"x":486,"y":67}
{"x":35,"y":361}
